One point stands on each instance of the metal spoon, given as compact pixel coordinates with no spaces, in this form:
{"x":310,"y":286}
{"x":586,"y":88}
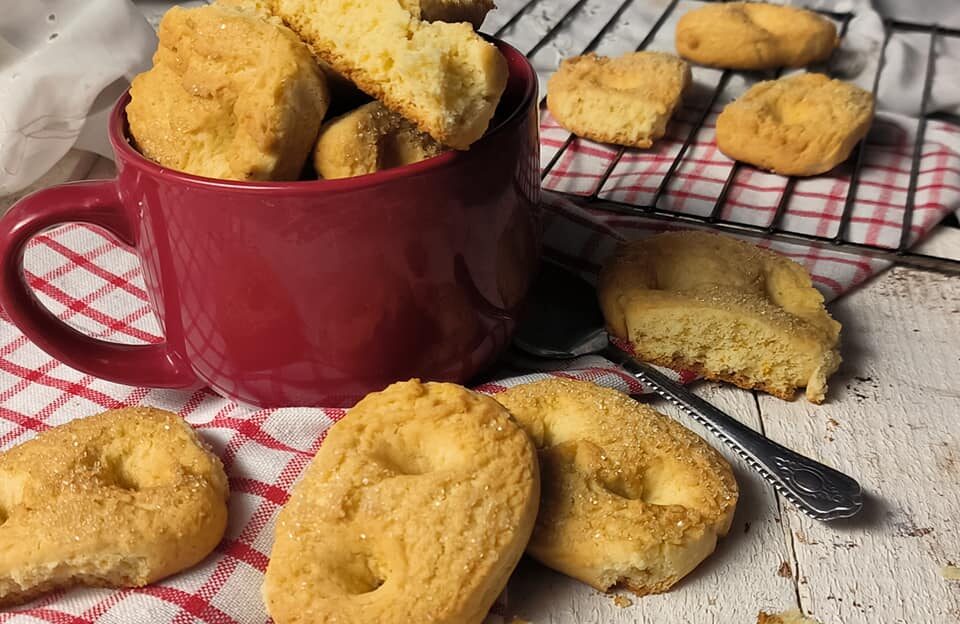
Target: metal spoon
{"x":564,"y":321}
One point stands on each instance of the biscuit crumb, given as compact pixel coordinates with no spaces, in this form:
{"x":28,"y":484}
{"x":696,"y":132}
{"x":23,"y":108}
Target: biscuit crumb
{"x":791,"y":616}
{"x":622,"y":601}
{"x":950,"y":572}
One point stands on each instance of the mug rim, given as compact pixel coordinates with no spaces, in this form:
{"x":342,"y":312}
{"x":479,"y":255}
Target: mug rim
{"x":123,"y":148}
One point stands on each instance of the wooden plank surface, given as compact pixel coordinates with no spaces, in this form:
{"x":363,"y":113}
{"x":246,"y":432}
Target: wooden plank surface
{"x":894,"y":422}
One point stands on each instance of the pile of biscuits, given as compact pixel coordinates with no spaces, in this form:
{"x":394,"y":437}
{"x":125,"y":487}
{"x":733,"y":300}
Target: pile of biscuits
{"x":249,"y":89}
{"x":802,"y":124}
{"x":417,"y":507}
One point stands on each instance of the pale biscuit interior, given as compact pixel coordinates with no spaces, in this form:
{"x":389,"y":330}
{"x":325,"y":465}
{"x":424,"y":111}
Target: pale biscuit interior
{"x":626,"y":100}
{"x":723,"y":308}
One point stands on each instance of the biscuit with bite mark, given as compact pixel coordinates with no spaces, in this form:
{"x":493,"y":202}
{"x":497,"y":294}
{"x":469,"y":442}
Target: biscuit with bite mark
{"x":723,"y":308}
{"x":626,"y":100}
{"x":629,"y":497}
{"x":121,"y":499}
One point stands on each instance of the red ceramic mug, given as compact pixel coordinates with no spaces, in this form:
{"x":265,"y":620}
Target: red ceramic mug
{"x":311,"y":292}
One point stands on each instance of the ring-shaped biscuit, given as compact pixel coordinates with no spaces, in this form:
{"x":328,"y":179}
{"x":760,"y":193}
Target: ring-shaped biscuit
{"x":626,"y":100}
{"x":801,"y":125}
{"x":754,"y":35}
{"x":629,"y":497}
{"x":416,"y":509}
{"x":723,"y":308}
{"x":369,"y":139}
{"x":231,"y":95}
{"x":120,"y":499}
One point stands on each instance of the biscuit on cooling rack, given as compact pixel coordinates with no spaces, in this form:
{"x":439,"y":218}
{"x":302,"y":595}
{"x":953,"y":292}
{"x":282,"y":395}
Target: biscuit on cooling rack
{"x":802,"y":125}
{"x":121,"y":499}
{"x":231,"y":95}
{"x":723,"y":308}
{"x":754,"y":35}
{"x":416,"y":509}
{"x":368,"y":139}
{"x":629,"y":496}
{"x":626,"y":100}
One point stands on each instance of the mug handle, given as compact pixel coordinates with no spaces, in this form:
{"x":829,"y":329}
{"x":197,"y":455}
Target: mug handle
{"x":96,"y":202}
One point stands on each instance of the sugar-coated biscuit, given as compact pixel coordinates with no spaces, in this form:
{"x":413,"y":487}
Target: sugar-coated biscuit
{"x":121,"y":499}
{"x":629,"y":497}
{"x":368,"y":139}
{"x":723,"y":308}
{"x":231,"y":95}
{"x":416,"y":509}
{"x":800,"y":125}
{"x":626,"y":100}
{"x":443,"y":77}
{"x":754,"y":35}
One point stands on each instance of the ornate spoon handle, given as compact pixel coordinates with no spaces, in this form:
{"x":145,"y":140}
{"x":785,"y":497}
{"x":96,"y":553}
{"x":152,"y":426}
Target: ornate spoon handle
{"x":817,"y":490}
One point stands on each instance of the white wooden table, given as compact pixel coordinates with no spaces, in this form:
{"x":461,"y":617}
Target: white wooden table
{"x":892,"y":420}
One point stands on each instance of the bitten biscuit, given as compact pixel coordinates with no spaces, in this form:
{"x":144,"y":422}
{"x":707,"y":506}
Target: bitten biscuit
{"x":416,"y":509}
{"x":630,"y":497}
{"x":626,"y":100}
{"x":748,"y":35}
{"x":443,"y":77}
{"x":723,"y":308}
{"x":121,"y":499}
{"x":369,"y":139}
{"x":231,"y":95}
{"x":801,"y":125}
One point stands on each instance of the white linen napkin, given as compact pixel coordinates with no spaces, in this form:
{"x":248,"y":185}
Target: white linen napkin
{"x":63,"y":63}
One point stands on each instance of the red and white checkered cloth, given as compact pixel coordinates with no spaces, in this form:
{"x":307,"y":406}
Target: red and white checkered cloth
{"x":93,"y":284}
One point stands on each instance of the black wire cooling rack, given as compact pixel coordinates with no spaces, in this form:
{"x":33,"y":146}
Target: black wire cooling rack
{"x":574,"y":16}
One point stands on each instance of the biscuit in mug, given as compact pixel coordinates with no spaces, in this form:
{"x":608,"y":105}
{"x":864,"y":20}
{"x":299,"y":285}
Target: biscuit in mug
{"x":231,"y":95}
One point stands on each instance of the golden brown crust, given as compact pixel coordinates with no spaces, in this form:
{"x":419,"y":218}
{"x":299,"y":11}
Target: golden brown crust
{"x":754,"y":35}
{"x":626,"y":100}
{"x":443,"y":77}
{"x":722,"y":308}
{"x":425,"y":493}
{"x":123,"y":498}
{"x":232,"y":95}
{"x":801,"y":125}
{"x":369,"y":139}
{"x":629,"y":497}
